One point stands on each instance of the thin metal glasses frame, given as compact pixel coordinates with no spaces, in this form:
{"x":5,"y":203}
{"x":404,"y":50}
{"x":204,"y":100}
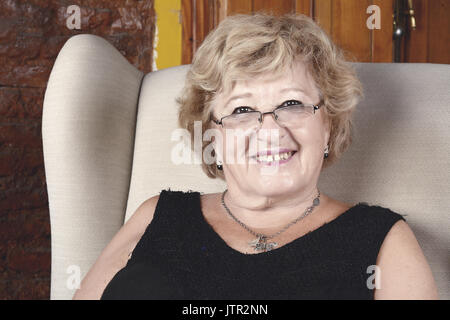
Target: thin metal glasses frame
{"x":261,"y":114}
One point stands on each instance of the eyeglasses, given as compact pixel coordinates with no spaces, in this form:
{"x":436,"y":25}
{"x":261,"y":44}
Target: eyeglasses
{"x":292,"y":115}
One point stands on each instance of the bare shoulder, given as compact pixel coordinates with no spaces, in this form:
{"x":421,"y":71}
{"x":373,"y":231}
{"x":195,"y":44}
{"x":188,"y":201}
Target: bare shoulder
{"x":404,"y":270}
{"x":116,"y":254}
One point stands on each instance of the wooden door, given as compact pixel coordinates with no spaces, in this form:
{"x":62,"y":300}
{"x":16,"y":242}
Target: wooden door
{"x":346,"y":21}
{"x":430,"y":41}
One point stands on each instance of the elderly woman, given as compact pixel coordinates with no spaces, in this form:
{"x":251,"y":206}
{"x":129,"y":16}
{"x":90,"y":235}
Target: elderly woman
{"x":283,"y":89}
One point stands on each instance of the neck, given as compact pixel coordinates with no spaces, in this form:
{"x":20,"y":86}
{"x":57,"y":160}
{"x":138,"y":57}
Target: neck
{"x":266,"y":212}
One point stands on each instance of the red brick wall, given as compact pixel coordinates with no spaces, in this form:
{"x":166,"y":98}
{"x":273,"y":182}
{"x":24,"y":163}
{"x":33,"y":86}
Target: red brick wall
{"x":31,"y":34}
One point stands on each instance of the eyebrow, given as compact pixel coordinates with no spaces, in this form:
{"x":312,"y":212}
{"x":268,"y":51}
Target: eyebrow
{"x":248,"y":94}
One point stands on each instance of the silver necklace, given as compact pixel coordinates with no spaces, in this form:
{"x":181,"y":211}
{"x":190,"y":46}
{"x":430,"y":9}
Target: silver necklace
{"x":260,"y":243}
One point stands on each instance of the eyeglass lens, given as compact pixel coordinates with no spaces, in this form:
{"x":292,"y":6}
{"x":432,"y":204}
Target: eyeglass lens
{"x":290,"y":116}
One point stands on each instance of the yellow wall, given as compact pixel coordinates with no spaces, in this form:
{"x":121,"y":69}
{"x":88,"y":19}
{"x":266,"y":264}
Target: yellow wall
{"x":167,"y":44}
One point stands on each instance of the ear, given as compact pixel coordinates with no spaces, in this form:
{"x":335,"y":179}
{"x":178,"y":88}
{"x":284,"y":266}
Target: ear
{"x":327,"y":126}
{"x":217,"y":144}
{"x":218,"y":153}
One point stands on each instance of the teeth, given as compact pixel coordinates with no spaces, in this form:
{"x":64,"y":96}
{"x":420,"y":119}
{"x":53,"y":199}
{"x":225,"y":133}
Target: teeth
{"x":276,"y":157}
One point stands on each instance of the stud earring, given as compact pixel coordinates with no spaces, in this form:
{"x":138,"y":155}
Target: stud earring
{"x":326,"y":153}
{"x":219,"y":165}
{"x":218,"y":162}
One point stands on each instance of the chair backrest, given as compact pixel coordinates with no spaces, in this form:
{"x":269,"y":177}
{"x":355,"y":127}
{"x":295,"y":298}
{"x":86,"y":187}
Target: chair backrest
{"x":109,"y":132}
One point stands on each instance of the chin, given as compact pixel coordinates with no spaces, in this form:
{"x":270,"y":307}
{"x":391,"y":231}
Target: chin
{"x":273,"y":184}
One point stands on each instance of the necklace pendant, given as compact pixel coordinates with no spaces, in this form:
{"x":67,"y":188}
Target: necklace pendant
{"x":261,"y":244}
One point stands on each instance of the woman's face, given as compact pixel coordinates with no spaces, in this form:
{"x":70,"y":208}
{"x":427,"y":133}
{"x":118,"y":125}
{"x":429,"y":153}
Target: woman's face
{"x":298,"y":173}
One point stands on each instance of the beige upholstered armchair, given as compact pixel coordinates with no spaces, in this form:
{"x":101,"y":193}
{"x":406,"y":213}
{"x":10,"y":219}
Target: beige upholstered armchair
{"x":107,"y":131}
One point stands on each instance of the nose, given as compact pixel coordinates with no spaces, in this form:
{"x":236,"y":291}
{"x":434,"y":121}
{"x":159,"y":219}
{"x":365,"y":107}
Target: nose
{"x":269,"y":125}
{"x":268,"y":121}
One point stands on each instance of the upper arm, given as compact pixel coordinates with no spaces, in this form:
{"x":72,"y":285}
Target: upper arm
{"x":404,"y":270}
{"x":115,"y":255}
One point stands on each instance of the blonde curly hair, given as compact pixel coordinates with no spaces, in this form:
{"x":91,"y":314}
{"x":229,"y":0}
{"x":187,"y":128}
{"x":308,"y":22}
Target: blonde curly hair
{"x":227,"y":55}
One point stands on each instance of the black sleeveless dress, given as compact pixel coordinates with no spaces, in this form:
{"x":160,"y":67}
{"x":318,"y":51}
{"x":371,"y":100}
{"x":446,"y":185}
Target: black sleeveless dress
{"x":180,"y":256}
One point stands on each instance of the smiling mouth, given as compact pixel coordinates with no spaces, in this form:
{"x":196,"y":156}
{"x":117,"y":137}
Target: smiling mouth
{"x":278,"y":158}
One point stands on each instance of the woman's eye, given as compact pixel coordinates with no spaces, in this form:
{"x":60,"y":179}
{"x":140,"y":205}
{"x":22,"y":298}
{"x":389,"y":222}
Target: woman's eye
{"x":291,"y":103}
{"x":242,"y":109}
